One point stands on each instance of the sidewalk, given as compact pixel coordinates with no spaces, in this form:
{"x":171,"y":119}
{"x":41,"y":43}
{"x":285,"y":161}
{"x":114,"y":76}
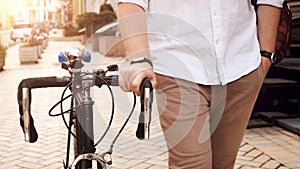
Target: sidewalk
{"x":269,"y":148}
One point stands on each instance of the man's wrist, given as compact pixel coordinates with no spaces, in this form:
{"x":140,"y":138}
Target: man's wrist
{"x":270,"y":55}
{"x":141,"y":60}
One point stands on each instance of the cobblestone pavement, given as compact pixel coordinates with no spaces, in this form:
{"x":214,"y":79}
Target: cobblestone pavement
{"x":270,"y":148}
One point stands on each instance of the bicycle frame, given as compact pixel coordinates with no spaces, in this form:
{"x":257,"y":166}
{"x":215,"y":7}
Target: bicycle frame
{"x":81,"y":111}
{"x":81,"y":117}
{"x":84,"y":119}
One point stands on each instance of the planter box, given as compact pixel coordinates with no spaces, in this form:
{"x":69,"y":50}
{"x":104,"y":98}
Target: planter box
{"x":28,"y":54}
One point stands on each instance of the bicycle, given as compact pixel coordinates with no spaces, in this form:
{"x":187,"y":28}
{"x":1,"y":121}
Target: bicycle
{"x":80,"y":112}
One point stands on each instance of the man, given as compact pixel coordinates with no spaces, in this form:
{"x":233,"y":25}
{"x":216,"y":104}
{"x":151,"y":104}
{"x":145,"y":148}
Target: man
{"x":209,"y":61}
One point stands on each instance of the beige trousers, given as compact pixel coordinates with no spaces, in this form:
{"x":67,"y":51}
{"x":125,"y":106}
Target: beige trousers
{"x":204,"y":125}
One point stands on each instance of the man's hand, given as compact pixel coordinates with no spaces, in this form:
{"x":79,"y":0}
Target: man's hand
{"x":266,"y":64}
{"x":133,"y":29}
{"x":132,"y":75}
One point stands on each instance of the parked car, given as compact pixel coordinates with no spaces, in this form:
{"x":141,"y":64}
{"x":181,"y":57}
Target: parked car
{"x":21,"y":30}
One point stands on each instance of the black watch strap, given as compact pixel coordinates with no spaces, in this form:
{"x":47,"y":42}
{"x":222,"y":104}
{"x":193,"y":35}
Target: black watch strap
{"x":267,"y":54}
{"x":141,"y":60}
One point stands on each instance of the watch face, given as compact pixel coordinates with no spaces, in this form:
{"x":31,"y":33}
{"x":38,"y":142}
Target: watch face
{"x":273,"y":57}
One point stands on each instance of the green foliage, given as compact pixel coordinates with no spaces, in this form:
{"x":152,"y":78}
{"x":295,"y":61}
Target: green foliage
{"x":108,"y":13}
{"x":91,"y":21}
{"x":70,"y":30}
{"x":94,"y":18}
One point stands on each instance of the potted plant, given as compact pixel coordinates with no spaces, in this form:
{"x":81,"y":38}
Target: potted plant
{"x":70,"y":30}
{"x":92,"y":21}
{"x":28,"y":52}
{"x":2,"y":55}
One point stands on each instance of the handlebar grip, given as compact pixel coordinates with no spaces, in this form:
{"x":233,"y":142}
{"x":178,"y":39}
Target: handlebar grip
{"x":24,"y":101}
{"x":146,"y":98}
{"x":26,"y":119}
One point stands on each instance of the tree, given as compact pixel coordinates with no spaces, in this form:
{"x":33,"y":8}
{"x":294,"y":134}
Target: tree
{"x":92,"y":21}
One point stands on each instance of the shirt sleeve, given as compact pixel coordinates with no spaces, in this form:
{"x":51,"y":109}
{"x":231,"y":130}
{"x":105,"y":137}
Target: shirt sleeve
{"x":277,"y":3}
{"x":141,"y":3}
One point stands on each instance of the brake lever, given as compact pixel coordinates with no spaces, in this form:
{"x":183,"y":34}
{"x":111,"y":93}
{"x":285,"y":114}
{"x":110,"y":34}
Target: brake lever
{"x":146,"y":99}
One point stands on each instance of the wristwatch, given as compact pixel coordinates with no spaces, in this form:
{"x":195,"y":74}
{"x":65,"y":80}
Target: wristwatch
{"x":141,"y":60}
{"x":270,"y":55}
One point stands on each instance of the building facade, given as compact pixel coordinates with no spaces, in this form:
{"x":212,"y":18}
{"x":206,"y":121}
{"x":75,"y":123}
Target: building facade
{"x":36,"y":11}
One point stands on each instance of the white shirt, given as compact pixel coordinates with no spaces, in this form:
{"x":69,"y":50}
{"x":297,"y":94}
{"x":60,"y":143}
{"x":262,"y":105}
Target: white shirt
{"x":208,"y":42}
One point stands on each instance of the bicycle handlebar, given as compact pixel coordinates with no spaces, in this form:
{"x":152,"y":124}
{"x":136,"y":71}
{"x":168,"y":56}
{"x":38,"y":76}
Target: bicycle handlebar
{"x":146,"y":98}
{"x":24,"y":98}
{"x":79,"y":82}
{"x":24,"y":101}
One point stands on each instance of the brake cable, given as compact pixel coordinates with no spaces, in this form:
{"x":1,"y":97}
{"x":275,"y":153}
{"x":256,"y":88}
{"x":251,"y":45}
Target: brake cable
{"x":72,"y":108}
